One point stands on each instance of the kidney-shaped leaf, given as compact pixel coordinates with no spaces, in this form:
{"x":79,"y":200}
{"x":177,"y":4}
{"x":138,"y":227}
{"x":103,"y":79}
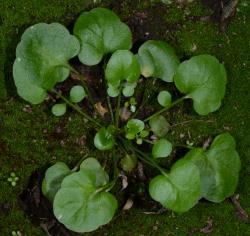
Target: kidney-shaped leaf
{"x":122,"y":67}
{"x":180,"y":189}
{"x":157,"y":59}
{"x":104,"y":139}
{"x":53,"y":178}
{"x":159,"y":126}
{"x":100,"y":31}
{"x":80,"y":206}
{"x":42,"y":60}
{"x":203,"y":79}
{"x":219,"y":168}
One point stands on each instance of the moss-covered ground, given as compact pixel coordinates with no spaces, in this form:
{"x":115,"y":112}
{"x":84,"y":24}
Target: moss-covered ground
{"x":31,"y":138}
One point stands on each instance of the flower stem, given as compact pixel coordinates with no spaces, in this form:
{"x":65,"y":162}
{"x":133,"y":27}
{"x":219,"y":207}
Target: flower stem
{"x":117,"y":113}
{"x":77,"y":108}
{"x":165,"y":108}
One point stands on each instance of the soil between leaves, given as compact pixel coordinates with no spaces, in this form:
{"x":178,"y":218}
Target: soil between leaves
{"x":24,"y":150}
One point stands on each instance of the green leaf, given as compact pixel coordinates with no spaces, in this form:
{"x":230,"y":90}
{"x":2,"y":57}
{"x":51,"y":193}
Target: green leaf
{"x":133,"y":127}
{"x":203,"y":79}
{"x":123,"y":67}
{"x":80,"y":205}
{"x":129,"y":89}
{"x":54,"y":176}
{"x":59,"y":109}
{"x":144,"y":133}
{"x":104,"y":139}
{"x":77,"y":93}
{"x":219,"y":168}
{"x":161,"y":148}
{"x":180,"y":189}
{"x":92,"y":165}
{"x":42,"y":60}
{"x":159,"y":126}
{"x":164,"y":98}
{"x":157,"y":59}
{"x":129,"y":162}
{"x":100,"y":31}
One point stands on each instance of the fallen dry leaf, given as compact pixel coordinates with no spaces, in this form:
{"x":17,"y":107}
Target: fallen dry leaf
{"x":128,"y":204}
{"x":100,"y":109}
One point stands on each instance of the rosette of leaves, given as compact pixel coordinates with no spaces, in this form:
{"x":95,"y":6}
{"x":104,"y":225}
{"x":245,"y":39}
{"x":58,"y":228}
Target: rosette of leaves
{"x":42,"y":60}
{"x":79,"y":197}
{"x":133,"y":128}
{"x":122,"y":73}
{"x":203,"y":79}
{"x":219,"y":168}
{"x":100,"y":32}
{"x":157,"y":59}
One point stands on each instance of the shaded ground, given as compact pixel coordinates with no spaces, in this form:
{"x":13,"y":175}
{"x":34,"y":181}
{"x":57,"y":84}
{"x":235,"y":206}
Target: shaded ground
{"x":32,"y":139}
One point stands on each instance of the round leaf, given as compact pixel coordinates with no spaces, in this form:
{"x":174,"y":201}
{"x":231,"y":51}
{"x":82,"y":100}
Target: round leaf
{"x":161,"y":148}
{"x":92,"y":165}
{"x":123,"y":67}
{"x":100,"y":31}
{"x":159,"y":126}
{"x":164,"y":98}
{"x":129,"y":162}
{"x":104,"y":139}
{"x":219,"y":168}
{"x":77,"y":93}
{"x":179,"y":190}
{"x":59,"y":109}
{"x":203,"y":79}
{"x":157,"y":59}
{"x":54,"y":176}
{"x":42,"y":60}
{"x":79,"y":206}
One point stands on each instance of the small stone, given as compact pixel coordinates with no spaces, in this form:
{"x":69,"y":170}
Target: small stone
{"x":155,"y":227}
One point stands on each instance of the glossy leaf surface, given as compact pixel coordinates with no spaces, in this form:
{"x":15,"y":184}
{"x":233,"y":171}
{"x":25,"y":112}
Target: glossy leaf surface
{"x":157,"y":59}
{"x":42,"y":60}
{"x":180,"y":189}
{"x":53,"y":179}
{"x":203,"y":79}
{"x":100,"y":31}
{"x":80,"y":205}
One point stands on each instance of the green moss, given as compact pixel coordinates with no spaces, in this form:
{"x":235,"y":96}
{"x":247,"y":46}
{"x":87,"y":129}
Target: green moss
{"x":31,"y":141}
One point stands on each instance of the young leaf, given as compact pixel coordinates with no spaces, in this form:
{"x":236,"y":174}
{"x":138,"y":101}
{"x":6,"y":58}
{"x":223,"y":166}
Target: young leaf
{"x":219,"y":168}
{"x":53,"y":178}
{"x":164,"y":98}
{"x":159,"y":126}
{"x":59,"y":109}
{"x":123,"y":67}
{"x":92,"y":165}
{"x":157,"y":59}
{"x":203,"y":79}
{"x":161,"y":148}
{"x":77,"y":93}
{"x":133,"y":127}
{"x":180,"y":189}
{"x":42,"y":60}
{"x":80,"y":205}
{"x":100,"y":31}
{"x":104,"y":139}
{"x":129,"y":162}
